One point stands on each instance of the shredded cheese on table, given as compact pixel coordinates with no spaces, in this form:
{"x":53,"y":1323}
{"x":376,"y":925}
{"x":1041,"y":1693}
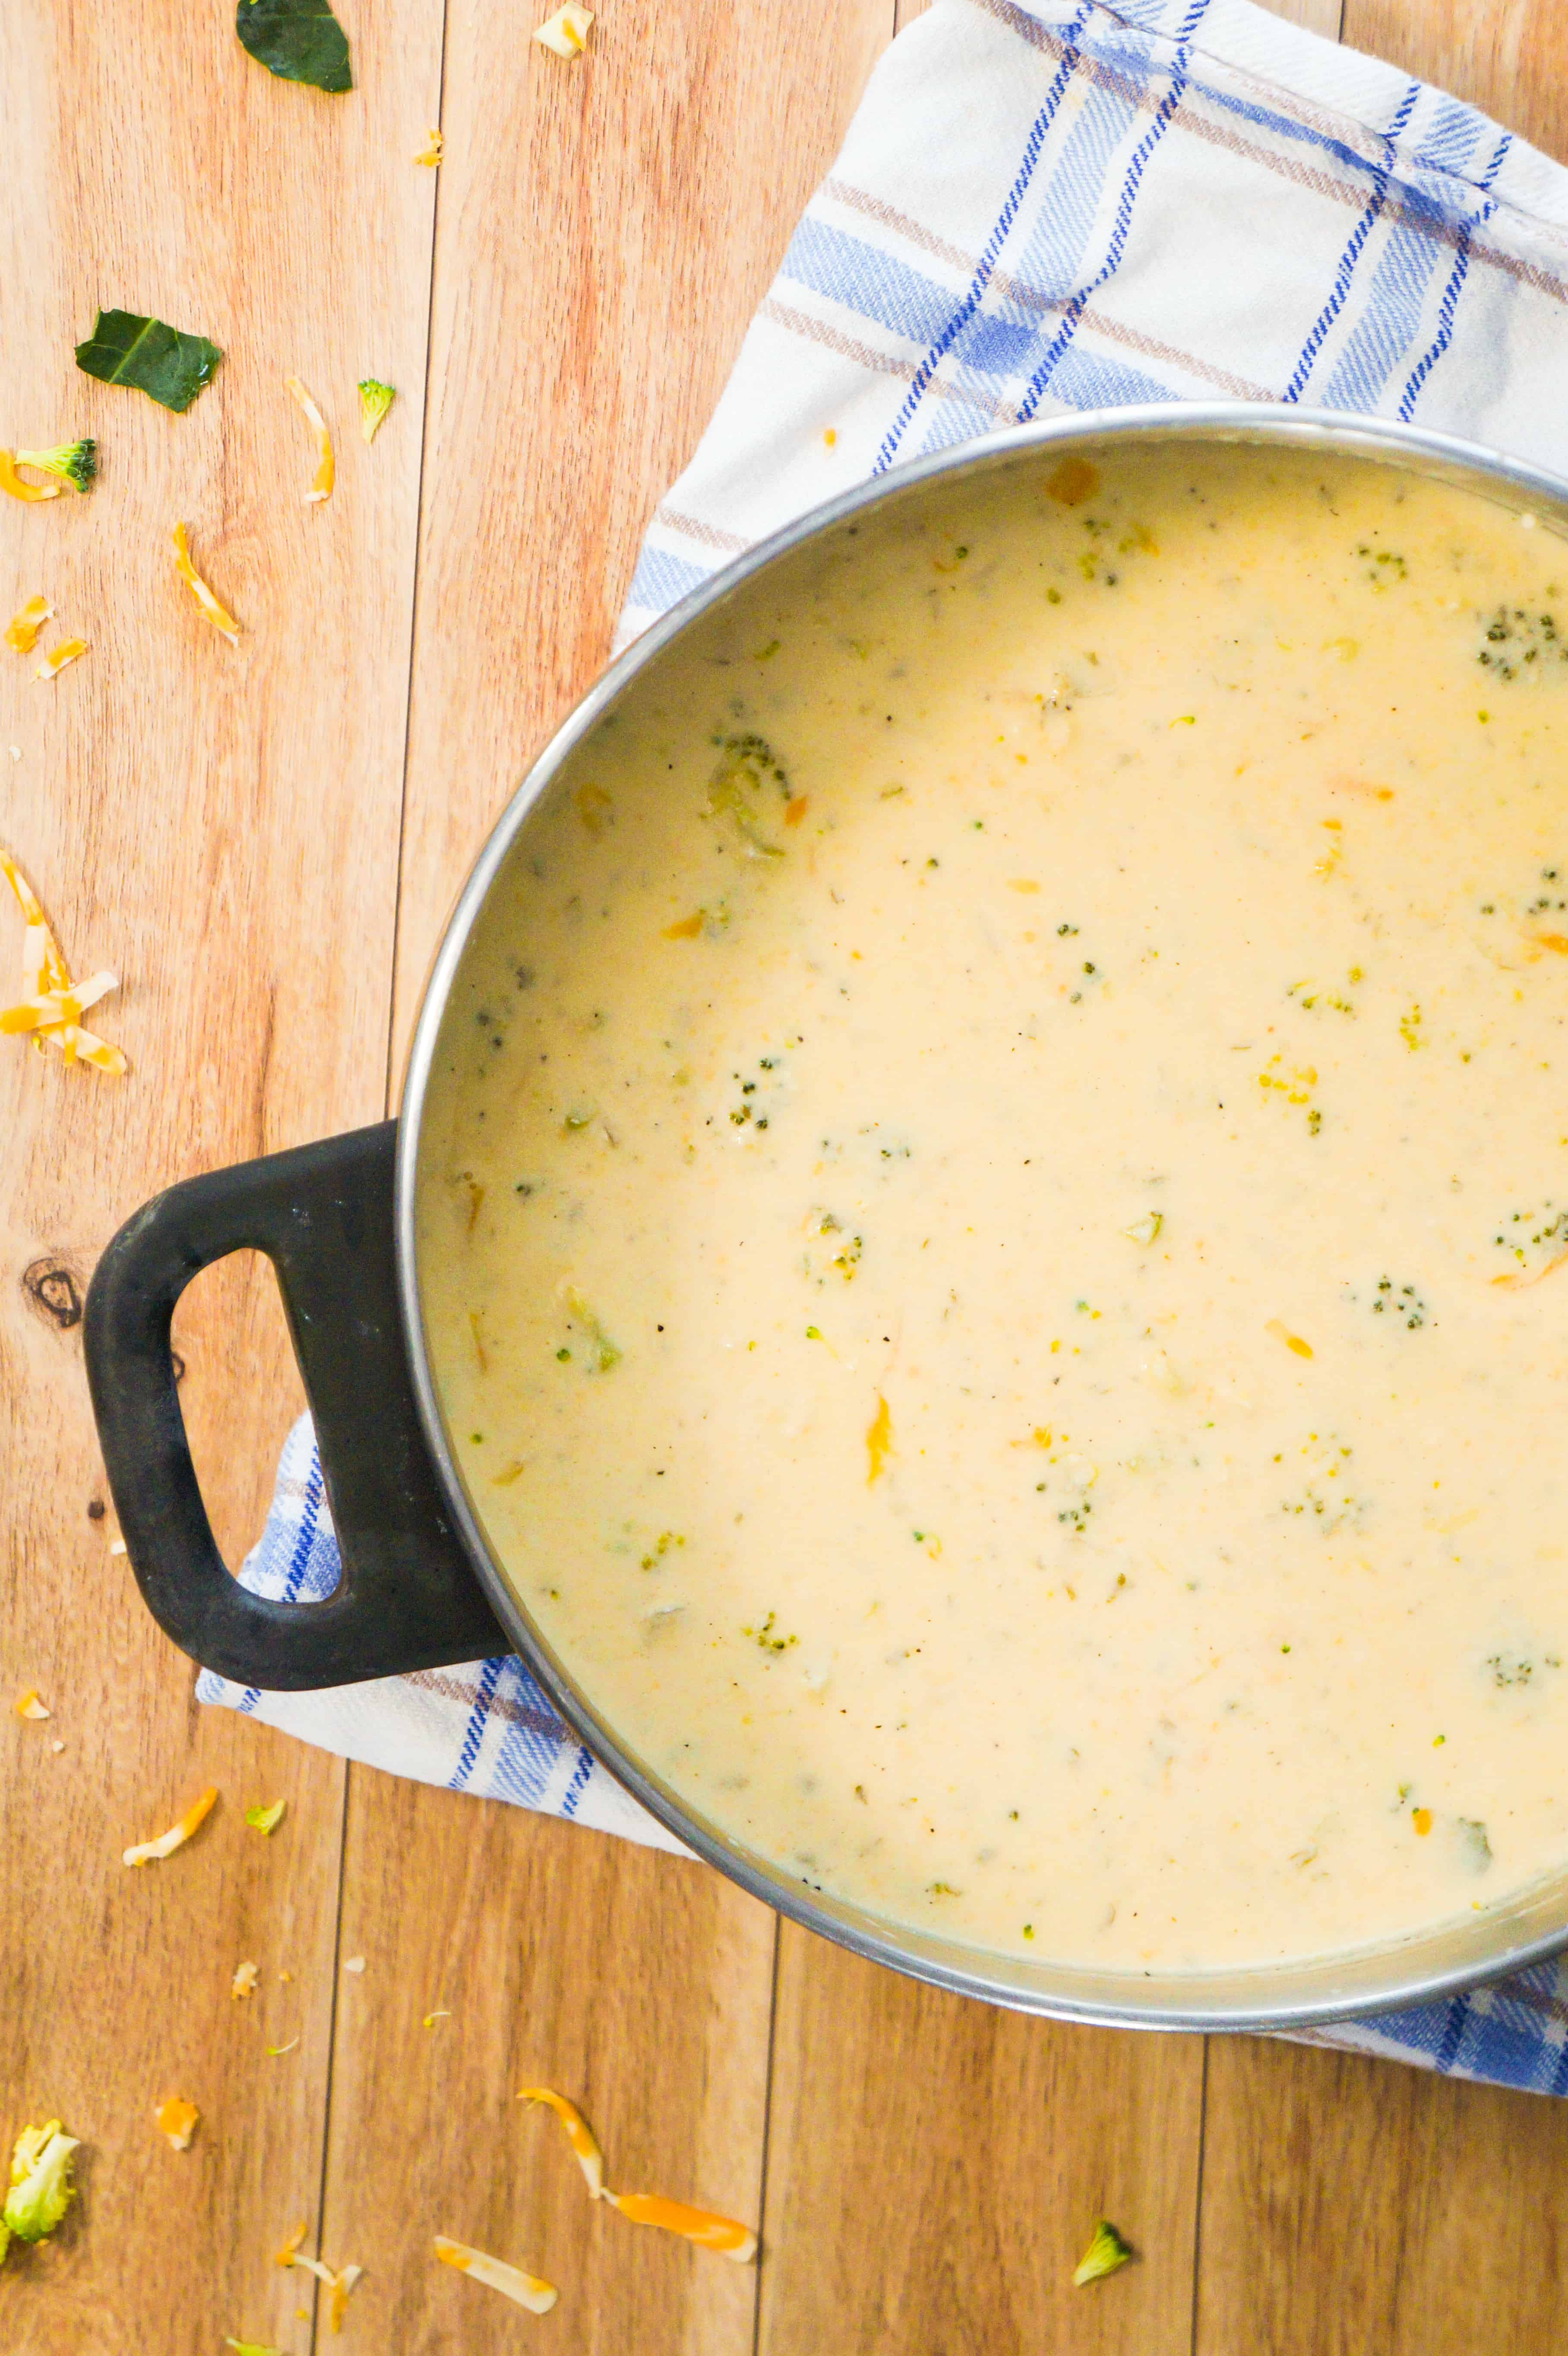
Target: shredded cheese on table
{"x":285,"y":2256}
{"x":222,"y":620}
{"x":22,"y":630}
{"x":145,"y":1852}
{"x":434,"y":149}
{"x":526,"y":2290}
{"x":53,"y":1004}
{"x":176,"y":2120}
{"x":709,"y":2232}
{"x":589,"y":2156}
{"x":326,"y":472}
{"x":29,"y":1706}
{"x":338,"y":2285}
{"x":244,"y":1984}
{"x":68,"y":650}
{"x":567,"y":31}
{"x":10,"y":480}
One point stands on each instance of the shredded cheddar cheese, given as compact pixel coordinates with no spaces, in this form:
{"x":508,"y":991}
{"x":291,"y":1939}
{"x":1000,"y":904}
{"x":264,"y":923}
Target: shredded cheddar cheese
{"x":22,"y":630}
{"x":709,"y":2231}
{"x":10,"y":480}
{"x":566,"y":33}
{"x":68,"y":650}
{"x":338,"y":2286}
{"x":1282,"y":1333}
{"x":29,"y":1706}
{"x":52,"y":1005}
{"x":731,"y":2239}
{"x":285,"y":2256}
{"x":579,"y":2135}
{"x":145,"y":1852}
{"x":222,"y":620}
{"x":176,"y":2120}
{"x":433,"y":150}
{"x":326,"y":472}
{"x":244,"y":1984}
{"x":525,"y":2290}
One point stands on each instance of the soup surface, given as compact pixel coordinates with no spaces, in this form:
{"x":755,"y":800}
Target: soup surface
{"x":993,"y":1194}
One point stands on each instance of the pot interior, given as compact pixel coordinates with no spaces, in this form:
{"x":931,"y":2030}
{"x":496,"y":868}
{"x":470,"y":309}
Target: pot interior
{"x":639,"y":881}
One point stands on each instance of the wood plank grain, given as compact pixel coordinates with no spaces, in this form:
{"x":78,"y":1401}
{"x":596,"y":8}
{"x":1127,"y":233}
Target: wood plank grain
{"x":635,"y":1983}
{"x":221,"y":825}
{"x":1350,"y":2206}
{"x":1508,"y":56}
{"x":935,"y":2168}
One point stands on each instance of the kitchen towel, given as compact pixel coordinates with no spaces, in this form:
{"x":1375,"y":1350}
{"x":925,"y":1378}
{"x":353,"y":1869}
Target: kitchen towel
{"x":1040,"y":210}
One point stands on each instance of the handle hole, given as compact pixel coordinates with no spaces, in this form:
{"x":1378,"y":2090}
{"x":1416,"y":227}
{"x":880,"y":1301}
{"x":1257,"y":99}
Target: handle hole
{"x":240,"y":1392}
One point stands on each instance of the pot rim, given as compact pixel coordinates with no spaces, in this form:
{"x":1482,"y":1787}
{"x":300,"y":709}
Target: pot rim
{"x":1379,"y":1978}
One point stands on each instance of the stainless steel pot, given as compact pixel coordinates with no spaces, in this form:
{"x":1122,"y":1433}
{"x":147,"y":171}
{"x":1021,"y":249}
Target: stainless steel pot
{"x":420,"y":1583}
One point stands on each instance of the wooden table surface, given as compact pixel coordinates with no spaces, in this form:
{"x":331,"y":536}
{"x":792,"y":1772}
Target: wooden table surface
{"x":264,"y":842}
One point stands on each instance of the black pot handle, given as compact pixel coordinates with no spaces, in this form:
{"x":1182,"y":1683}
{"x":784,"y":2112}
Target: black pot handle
{"x":407,"y":1598}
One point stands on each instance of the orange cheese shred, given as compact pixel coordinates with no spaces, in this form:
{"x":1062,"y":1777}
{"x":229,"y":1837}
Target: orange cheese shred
{"x":285,"y":2256}
{"x":222,"y":620}
{"x":28,"y":1705}
{"x":1282,"y":1333}
{"x":52,"y":1006}
{"x":176,"y":2120}
{"x":579,"y":2135}
{"x":700,"y":2225}
{"x":68,"y":650}
{"x":326,"y":472}
{"x":688,"y":928}
{"x":22,"y":630}
{"x":1522,"y":1280}
{"x":526,"y":2290}
{"x":10,"y":480}
{"x":145,"y":1852}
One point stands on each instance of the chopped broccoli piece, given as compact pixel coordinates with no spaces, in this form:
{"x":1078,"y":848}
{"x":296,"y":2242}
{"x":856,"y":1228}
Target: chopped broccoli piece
{"x":41,"y":2190}
{"x":262,"y":1819}
{"x":1105,"y":2252}
{"x":375,"y":400}
{"x":75,"y":462}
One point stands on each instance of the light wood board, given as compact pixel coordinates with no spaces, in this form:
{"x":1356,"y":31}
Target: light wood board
{"x":265,"y":842}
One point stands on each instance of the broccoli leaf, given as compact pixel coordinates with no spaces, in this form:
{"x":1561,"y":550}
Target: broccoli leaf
{"x":169,"y":368}
{"x":298,"y":40}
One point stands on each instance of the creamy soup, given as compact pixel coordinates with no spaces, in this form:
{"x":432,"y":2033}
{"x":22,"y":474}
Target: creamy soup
{"x":992,"y":1202}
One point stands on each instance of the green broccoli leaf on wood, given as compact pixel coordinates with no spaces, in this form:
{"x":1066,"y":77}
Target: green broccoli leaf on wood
{"x":298,"y":40}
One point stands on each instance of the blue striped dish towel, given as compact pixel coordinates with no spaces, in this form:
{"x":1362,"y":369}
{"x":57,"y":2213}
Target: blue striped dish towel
{"x":1041,"y":209}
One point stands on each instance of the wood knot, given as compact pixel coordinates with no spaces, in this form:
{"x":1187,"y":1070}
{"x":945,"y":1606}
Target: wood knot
{"x":52,"y":1289}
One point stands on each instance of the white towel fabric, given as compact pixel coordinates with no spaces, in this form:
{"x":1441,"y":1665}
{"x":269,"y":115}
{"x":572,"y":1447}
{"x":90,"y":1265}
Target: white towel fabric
{"x":1040,"y":210}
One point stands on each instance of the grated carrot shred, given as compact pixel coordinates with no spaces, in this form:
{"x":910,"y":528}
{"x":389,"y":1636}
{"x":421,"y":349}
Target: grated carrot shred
{"x":10,"y":480}
{"x":145,"y":1852}
{"x":177,"y":2118}
{"x":731,"y":2239}
{"x":222,"y":620}
{"x":579,"y":2135}
{"x":526,"y":2290}
{"x":68,"y":650}
{"x":326,"y":472}
{"x":22,"y":630}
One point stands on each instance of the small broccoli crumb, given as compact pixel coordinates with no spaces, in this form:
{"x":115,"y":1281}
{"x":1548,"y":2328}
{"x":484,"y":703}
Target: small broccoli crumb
{"x":1107,"y":2251}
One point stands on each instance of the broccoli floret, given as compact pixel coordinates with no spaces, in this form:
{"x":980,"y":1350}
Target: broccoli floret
{"x":1105,"y":2252}
{"x":75,"y":462}
{"x":375,"y":400}
{"x":41,"y":2190}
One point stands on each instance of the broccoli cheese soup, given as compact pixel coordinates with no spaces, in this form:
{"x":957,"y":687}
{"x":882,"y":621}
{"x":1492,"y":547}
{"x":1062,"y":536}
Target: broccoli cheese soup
{"x":992,"y":1198}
